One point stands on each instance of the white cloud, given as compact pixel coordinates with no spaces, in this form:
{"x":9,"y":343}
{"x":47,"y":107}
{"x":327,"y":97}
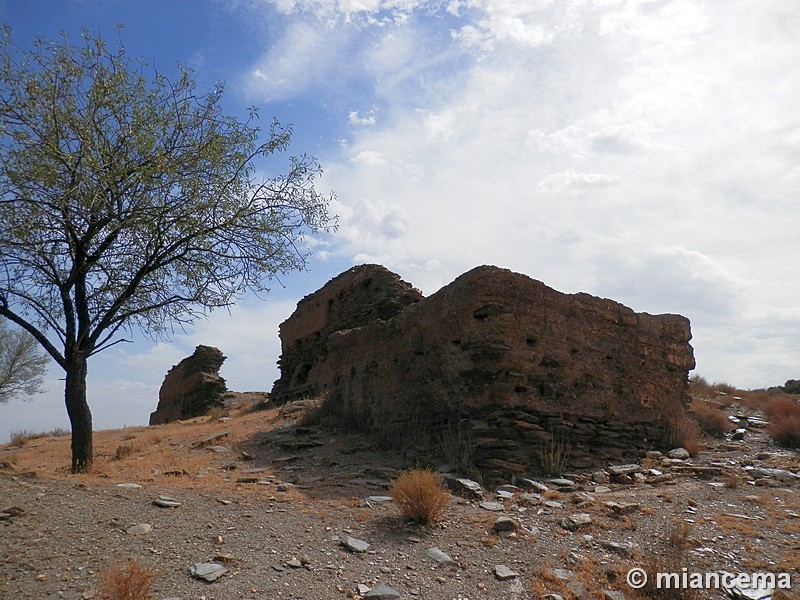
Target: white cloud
{"x":353,"y":118}
{"x":370,"y":158}
{"x":304,"y":56}
{"x":572,"y":181}
{"x":675,"y":122}
{"x":643,"y":150}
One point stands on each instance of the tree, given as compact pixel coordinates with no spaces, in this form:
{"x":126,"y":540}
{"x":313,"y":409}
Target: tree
{"x":128,"y":200}
{"x":22,"y":364}
{"x":792,"y":386}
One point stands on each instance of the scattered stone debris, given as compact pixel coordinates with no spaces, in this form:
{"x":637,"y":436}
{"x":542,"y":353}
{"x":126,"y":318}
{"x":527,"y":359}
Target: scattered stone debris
{"x":622,"y":508}
{"x":166,"y":501}
{"x":468,"y":488}
{"x":140,"y":529}
{"x":353,"y":544}
{"x":439,"y":556}
{"x":370,"y":500}
{"x":207,"y":571}
{"x":626,"y":549}
{"x":504,"y":524}
{"x":679,"y":454}
{"x":383,"y":592}
{"x":503,"y":573}
{"x":576,"y":521}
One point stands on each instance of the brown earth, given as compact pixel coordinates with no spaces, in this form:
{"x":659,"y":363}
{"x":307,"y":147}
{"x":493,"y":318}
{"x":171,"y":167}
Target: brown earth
{"x":258,"y":490}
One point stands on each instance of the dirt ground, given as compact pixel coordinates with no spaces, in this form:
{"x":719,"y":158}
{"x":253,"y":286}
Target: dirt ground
{"x":272,"y":502}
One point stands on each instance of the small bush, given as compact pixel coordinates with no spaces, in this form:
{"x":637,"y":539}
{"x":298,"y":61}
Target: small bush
{"x":792,"y":386}
{"x":123,"y":451}
{"x":784,"y":422}
{"x":711,"y":419}
{"x":671,"y":560}
{"x":420,"y":495}
{"x":128,"y":581}
{"x":683,"y":432}
{"x":457,"y":447}
{"x":23,"y":436}
{"x":699,"y":384}
{"x":553,"y":455}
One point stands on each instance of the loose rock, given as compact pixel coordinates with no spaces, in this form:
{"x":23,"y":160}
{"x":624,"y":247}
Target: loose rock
{"x":576,"y":521}
{"x":353,"y":544}
{"x":207,"y":571}
{"x":439,"y":556}
{"x":140,"y":529}
{"x":503,"y":524}
{"x":166,"y":501}
{"x":503,"y":573}
{"x":383,"y":592}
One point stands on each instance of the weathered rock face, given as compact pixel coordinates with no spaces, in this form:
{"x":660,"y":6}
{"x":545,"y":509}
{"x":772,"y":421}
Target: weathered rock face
{"x":501,"y":360}
{"x":191,"y":388}
{"x":356,"y":297}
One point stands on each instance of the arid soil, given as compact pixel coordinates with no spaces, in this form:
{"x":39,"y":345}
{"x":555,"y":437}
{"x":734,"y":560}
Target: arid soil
{"x":272,"y":503}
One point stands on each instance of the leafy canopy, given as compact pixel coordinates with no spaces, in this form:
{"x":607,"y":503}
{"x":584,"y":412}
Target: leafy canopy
{"x":22,"y":364}
{"x":128,"y":199}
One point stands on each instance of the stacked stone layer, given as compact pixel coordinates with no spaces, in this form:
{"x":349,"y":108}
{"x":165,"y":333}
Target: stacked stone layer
{"x":496,"y":359}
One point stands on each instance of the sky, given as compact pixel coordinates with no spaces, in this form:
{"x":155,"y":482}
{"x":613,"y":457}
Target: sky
{"x":646,"y":151}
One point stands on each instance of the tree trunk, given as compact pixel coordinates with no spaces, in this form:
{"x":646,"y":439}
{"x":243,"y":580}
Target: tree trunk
{"x":80,"y":417}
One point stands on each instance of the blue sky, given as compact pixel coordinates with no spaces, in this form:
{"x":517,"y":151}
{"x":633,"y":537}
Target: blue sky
{"x":642,"y":150}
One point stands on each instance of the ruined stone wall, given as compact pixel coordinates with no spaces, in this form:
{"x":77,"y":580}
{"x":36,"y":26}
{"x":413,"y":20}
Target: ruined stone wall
{"x":511,"y":364}
{"x":358,"y":296}
{"x":192,"y":387}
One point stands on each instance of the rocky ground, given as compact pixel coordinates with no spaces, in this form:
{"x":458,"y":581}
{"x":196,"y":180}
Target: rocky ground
{"x":288,"y":512}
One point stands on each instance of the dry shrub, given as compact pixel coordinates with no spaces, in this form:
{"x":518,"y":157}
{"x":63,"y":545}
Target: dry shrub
{"x":784,"y":421}
{"x":457,"y":447}
{"x":731,"y":480}
{"x":127,"y":581}
{"x":545,"y":582}
{"x":672,"y":560}
{"x":711,"y":419}
{"x":679,"y":536}
{"x":683,"y":432}
{"x":123,"y":451}
{"x":553,"y":455}
{"x":23,"y":436}
{"x":699,"y":385}
{"x":758,"y":399}
{"x":420,"y":495}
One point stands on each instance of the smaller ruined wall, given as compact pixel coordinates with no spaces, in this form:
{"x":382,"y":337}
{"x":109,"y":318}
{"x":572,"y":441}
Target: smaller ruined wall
{"x":191,"y":388}
{"x":355,"y":298}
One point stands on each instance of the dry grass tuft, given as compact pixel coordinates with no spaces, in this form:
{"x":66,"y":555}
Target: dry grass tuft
{"x":711,"y":419}
{"x":553,"y":455}
{"x":684,"y":432}
{"x":784,"y":425}
{"x":127,"y":581}
{"x":420,"y":495}
{"x":23,"y":436}
{"x":672,"y":560}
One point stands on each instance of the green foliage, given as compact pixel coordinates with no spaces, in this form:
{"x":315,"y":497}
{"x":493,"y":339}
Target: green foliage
{"x":792,"y":386}
{"x":22,"y":364}
{"x":130,"y":200}
{"x":133,"y":201}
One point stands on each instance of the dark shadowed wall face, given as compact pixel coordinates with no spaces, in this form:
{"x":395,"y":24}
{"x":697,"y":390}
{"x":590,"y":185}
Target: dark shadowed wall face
{"x":507,"y":361}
